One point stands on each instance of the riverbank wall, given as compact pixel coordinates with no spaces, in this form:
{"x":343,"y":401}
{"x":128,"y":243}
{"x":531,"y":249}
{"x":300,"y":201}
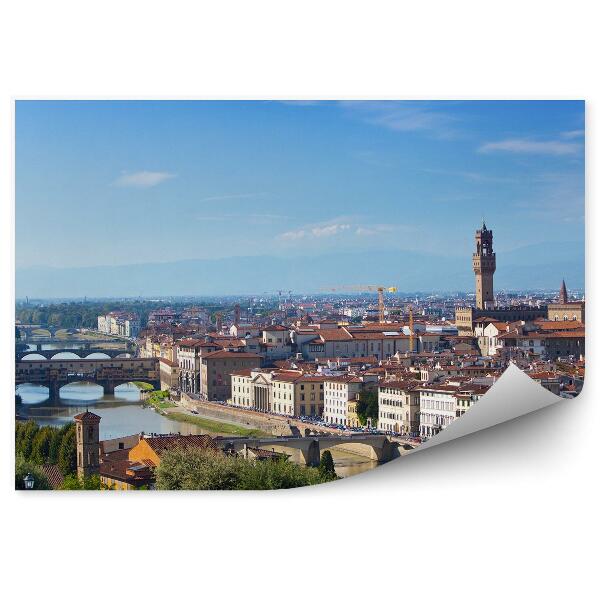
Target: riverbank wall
{"x":273,"y":424}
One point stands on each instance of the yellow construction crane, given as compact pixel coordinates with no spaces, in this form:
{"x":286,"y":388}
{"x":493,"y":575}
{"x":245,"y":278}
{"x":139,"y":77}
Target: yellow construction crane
{"x":380,"y":289}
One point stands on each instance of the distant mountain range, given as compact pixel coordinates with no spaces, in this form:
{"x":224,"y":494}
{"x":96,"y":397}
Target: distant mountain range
{"x":540,"y":266}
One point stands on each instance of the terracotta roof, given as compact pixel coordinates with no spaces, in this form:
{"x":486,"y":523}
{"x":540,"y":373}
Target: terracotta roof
{"x":168,"y":362}
{"x":242,"y":373}
{"x":161,"y":443}
{"x":134,"y":473}
{"x":558,"y":325}
{"x":87,"y":416}
{"x":53,"y":474}
{"x":287,"y":376}
{"x":400,"y":385}
{"x":332,"y":335}
{"x":232,"y":355}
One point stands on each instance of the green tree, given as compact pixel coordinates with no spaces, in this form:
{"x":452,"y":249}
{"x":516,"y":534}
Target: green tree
{"x":25,"y":432}
{"x":197,"y":469}
{"x":72,"y":482}
{"x":40,"y":447}
{"x":55,"y":442}
{"x":368,"y":407}
{"x":67,"y":453}
{"x":327,"y":466}
{"x":276,"y":475}
{"x":23,"y":468}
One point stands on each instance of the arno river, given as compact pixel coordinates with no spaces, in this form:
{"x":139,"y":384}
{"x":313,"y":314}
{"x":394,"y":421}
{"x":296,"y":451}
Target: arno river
{"x":124,"y":414}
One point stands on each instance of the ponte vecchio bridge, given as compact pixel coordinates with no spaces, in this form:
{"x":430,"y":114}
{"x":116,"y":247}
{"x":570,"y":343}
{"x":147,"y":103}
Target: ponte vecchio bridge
{"x":107,"y":372}
{"x":79,"y":352}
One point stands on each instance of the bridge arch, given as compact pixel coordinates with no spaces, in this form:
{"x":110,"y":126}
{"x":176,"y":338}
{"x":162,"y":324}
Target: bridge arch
{"x":60,"y":355}
{"x":32,"y":393}
{"x":377,"y":448}
{"x":95,"y":354}
{"x":33,"y":355}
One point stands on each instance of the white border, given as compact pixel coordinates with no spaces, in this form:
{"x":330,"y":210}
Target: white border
{"x":508,"y":512}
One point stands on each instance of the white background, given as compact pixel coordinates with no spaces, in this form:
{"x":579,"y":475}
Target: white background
{"x":508,"y":512}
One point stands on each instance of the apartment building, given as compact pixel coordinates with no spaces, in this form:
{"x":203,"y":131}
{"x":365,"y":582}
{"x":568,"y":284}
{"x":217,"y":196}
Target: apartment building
{"x":216,"y":369}
{"x":339,"y":391}
{"x":399,"y":406}
{"x":437,"y":408}
{"x":119,"y":323}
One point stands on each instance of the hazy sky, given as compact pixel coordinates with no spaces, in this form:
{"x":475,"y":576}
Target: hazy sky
{"x":110,"y":183}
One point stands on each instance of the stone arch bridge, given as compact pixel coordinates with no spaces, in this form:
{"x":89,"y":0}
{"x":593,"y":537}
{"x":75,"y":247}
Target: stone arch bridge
{"x":79,"y":352}
{"x":106,"y":372}
{"x":33,"y":330}
{"x":307,"y":450}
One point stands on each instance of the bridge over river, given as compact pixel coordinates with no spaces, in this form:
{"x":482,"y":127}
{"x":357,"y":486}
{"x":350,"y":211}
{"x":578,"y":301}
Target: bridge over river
{"x":79,"y":352}
{"x":307,"y":450}
{"x":106,"y":372}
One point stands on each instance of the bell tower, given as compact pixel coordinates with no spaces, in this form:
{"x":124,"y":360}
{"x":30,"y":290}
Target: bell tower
{"x":87,"y":428}
{"x":484,"y":266}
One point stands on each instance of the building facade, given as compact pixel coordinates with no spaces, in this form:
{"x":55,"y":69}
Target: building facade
{"x":399,"y":403}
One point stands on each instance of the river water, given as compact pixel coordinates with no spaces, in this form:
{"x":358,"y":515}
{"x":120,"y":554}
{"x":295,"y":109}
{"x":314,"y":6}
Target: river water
{"x":124,"y":414}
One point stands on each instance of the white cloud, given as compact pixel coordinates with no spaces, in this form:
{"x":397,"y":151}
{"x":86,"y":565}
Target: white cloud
{"x":329,"y":230}
{"x":525,"y":146}
{"x":573,"y":134}
{"x":143,"y":179}
{"x":405,"y":116}
{"x":374,"y":229}
{"x":320,"y":230}
{"x":293,"y":235}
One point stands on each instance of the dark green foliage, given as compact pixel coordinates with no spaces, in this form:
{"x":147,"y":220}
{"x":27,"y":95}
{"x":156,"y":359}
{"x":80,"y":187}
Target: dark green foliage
{"x":277,"y":475}
{"x":326,"y":466}
{"x":40,"y":447}
{"x":40,"y":444}
{"x":368,"y":407}
{"x":25,"y":432}
{"x":67,"y":452}
{"x":195,"y":469}
{"x":22,"y":468}
{"x":56,"y":441}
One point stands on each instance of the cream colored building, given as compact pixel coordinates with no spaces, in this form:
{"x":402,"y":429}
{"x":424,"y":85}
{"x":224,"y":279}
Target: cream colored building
{"x":290,"y":393}
{"x":339,"y":391}
{"x":399,"y":406}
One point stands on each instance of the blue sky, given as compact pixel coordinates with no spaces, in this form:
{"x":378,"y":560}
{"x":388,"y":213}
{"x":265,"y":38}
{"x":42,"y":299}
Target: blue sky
{"x":113,"y":183}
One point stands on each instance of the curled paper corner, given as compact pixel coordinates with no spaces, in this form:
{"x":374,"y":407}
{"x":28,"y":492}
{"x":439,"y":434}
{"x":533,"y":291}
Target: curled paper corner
{"x":513,"y":395}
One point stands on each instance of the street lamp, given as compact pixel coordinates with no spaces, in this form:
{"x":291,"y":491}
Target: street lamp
{"x":29,"y":481}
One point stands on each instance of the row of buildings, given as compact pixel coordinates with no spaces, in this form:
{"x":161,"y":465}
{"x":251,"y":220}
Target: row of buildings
{"x":123,"y":324}
{"x":425,"y":372}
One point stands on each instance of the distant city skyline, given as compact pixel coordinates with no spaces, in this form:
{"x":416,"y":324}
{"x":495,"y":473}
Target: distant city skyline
{"x":102,"y":185}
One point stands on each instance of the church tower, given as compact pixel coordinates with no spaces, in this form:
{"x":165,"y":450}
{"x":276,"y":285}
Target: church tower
{"x":563,"y":297}
{"x":484,"y":265}
{"x":87,"y":427}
